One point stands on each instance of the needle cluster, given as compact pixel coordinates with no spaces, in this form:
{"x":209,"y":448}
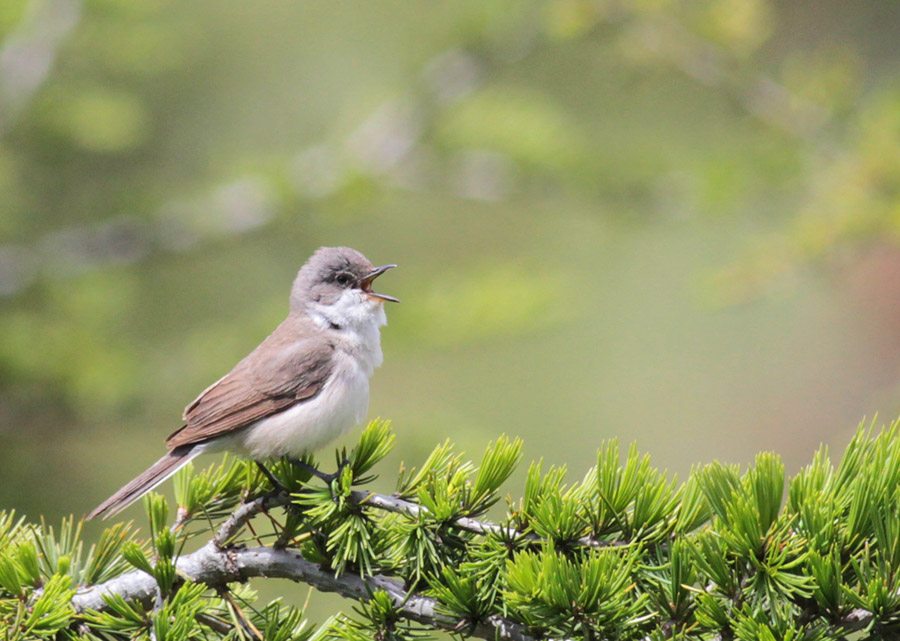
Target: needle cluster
{"x":625,"y":553}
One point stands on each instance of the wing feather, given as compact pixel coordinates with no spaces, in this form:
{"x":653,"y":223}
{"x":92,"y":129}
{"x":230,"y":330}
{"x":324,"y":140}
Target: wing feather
{"x":275,"y":376}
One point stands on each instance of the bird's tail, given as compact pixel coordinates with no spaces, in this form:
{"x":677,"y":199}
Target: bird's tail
{"x":158,"y":472}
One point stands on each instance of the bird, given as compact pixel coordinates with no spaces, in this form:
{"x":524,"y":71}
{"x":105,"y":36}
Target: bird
{"x":304,"y":385}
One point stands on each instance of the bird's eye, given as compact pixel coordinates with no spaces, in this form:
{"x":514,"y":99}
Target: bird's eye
{"x":343,"y":278}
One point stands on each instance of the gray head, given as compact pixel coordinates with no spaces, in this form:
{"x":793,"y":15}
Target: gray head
{"x":332,"y":272}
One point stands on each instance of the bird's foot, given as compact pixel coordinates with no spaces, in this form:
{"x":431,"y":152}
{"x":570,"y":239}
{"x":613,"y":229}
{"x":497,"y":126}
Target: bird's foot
{"x":325,"y":477}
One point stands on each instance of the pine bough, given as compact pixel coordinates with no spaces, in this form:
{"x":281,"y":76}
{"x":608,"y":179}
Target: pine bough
{"x":626,"y":553}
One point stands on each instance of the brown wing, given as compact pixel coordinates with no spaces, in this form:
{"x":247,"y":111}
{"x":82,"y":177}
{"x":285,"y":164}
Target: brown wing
{"x":275,"y":376}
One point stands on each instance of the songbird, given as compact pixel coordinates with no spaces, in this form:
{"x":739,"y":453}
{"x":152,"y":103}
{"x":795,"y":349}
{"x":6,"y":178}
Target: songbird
{"x":303,"y":386}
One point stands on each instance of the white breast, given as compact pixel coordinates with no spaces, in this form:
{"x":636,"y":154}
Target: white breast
{"x":342,"y":403}
{"x":309,"y":425}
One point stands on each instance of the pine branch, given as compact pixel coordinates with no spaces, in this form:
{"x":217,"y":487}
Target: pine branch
{"x":401,"y":506}
{"x":388,"y":503}
{"x":215,"y":566}
{"x":245,"y":513}
{"x":724,"y":556}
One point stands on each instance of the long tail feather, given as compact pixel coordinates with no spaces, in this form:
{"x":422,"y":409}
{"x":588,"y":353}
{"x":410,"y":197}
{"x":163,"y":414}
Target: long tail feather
{"x":158,"y":472}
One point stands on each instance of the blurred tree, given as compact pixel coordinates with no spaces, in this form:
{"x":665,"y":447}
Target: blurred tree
{"x":129,"y":132}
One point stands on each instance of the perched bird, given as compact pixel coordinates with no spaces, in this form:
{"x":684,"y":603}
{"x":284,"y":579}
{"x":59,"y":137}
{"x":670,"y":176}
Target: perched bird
{"x":304,"y":385}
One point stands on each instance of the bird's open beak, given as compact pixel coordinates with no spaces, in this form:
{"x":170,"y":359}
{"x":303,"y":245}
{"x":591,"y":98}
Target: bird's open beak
{"x":366,"y":284}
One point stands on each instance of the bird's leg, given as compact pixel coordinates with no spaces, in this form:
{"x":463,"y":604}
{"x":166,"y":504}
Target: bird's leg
{"x":322,"y":476}
{"x":277,"y":487}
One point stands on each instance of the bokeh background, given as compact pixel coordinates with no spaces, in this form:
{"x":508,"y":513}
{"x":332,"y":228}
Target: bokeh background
{"x":671,"y":221}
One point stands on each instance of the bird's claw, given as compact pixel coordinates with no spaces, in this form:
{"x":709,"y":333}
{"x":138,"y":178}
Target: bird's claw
{"x":325,"y":477}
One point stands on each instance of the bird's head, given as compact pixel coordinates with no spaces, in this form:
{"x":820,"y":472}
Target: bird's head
{"x":336,"y":283}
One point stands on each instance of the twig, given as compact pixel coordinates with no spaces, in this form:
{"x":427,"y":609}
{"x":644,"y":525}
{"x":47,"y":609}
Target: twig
{"x":214,"y":623}
{"x":401,"y":506}
{"x":240,"y":517}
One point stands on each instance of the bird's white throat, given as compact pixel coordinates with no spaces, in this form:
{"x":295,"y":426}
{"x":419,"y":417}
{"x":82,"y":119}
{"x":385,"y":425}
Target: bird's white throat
{"x":353,"y":309}
{"x":357,"y":319}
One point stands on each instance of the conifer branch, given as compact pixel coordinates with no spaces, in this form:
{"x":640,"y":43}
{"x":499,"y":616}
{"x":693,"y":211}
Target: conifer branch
{"x":401,"y":506}
{"x":216,"y":566}
{"x":245,"y":513}
{"x":388,"y":503}
{"x":727,"y":555}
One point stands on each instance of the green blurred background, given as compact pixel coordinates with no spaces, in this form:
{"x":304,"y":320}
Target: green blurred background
{"x":671,"y":221}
